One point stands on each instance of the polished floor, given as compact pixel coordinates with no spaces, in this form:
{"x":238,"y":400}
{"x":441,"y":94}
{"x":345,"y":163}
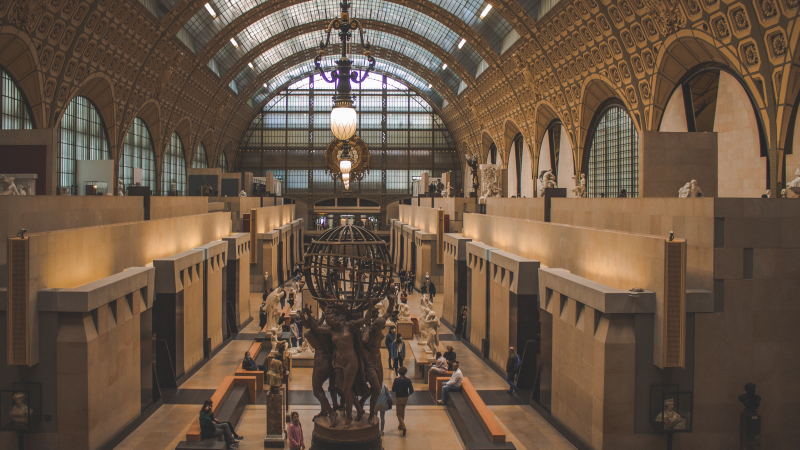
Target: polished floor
{"x":429,"y":426}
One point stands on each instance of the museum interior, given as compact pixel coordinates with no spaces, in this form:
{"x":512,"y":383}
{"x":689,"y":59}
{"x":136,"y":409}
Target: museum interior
{"x":399,"y":224}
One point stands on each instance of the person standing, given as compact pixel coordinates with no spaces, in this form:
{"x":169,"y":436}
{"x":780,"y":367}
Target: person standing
{"x":402,"y":388}
{"x":391,"y":348}
{"x":453,"y":385}
{"x":400,"y":353}
{"x":512,"y":367}
{"x":431,"y":290}
{"x":384,"y":404}
{"x":295,"y":433}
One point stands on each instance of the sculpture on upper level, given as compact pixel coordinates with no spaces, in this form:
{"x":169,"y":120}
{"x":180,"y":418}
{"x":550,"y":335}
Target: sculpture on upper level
{"x":10,"y":186}
{"x":473,"y":161}
{"x":690,"y":189}
{"x":546,"y":180}
{"x":793,"y":187}
{"x":580,"y":189}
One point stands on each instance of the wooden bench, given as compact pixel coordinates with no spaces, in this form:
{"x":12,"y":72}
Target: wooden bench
{"x":435,"y":383}
{"x":223,"y":411}
{"x":255,"y":351}
{"x":485,"y":417}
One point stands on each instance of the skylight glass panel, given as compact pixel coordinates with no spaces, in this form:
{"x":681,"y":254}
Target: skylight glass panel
{"x":494,"y":27}
{"x":317,"y":10}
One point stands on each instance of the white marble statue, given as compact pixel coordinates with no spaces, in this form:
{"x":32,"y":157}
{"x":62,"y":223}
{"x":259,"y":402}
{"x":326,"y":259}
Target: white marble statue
{"x":405,"y":314}
{"x":273,"y":308}
{"x":382,"y":305}
{"x":793,"y":187}
{"x":433,"y":333}
{"x":22,"y":190}
{"x":490,"y":181}
{"x":447,"y":190}
{"x":690,"y":189}
{"x":580,"y":189}
{"x":546,"y":180}
{"x":20,"y":412}
{"x":10,"y":186}
{"x":768,"y":193}
{"x":242,"y":193}
{"x":120,"y":187}
{"x":276,"y":331}
{"x":671,"y":419}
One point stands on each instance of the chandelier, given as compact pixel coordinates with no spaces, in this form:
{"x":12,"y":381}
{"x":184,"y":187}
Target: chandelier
{"x":344,"y":119}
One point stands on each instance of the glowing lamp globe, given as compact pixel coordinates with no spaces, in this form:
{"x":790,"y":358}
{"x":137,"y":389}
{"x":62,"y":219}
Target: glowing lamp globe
{"x":344,"y":121}
{"x":345,"y":177}
{"x":345,"y":165}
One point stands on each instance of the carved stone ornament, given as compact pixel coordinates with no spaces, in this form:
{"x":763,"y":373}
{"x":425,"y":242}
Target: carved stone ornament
{"x":768,"y":8}
{"x":750,"y":54}
{"x":740,"y":19}
{"x":359,"y":155}
{"x":778,"y":44}
{"x":721,"y":27}
{"x":667,"y":14}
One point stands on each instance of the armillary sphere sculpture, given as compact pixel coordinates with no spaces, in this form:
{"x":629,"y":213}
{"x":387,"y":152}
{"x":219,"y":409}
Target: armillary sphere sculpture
{"x":347,"y":271}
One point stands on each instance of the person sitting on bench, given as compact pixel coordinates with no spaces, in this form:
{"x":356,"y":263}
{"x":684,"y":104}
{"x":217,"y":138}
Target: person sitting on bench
{"x":208,"y":408}
{"x":454,"y":385}
{"x":250,"y":364}
{"x":211,"y":430}
{"x":440,"y":367}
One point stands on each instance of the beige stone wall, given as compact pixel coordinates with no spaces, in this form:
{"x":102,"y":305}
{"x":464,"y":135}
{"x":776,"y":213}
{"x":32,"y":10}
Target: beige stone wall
{"x":566,"y":164}
{"x":40,"y":213}
{"x":526,"y":208}
{"x":166,"y":207}
{"x":244,"y":289}
{"x":192,"y":316}
{"x":477,"y":312}
{"x":423,"y":218}
{"x":742,"y":169}
{"x":498,"y":318}
{"x":71,"y":258}
{"x":690,"y":218}
{"x":448,"y":292}
{"x":619,"y":260}
{"x":674,"y":118}
{"x":214,"y":300}
{"x":98,"y":373}
{"x":667,"y":161}
{"x":272,"y":217}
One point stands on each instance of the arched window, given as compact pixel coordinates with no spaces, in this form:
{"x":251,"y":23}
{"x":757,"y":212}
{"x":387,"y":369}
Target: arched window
{"x":223,"y":162}
{"x":493,"y":154}
{"x":81,"y":136}
{"x":613,"y":155}
{"x":138,"y":153}
{"x":14,"y":110}
{"x":200,"y":161}
{"x":173,"y":177}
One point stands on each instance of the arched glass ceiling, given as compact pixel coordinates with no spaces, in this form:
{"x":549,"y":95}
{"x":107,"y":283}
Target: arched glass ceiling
{"x":359,"y":62}
{"x":378,"y":39}
{"x":322,"y":10}
{"x":494,"y":27}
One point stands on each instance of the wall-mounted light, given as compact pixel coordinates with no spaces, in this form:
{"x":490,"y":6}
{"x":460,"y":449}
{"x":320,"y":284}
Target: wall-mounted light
{"x":486,"y":10}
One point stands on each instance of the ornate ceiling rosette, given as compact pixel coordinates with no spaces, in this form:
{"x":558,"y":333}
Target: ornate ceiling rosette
{"x":359,"y":155}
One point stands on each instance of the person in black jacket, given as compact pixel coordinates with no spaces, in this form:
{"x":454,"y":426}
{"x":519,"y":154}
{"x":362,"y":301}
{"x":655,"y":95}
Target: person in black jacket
{"x":250,"y":364}
{"x":402,"y":388}
{"x":450,"y":356}
{"x":512,"y":367}
{"x":431,"y":289}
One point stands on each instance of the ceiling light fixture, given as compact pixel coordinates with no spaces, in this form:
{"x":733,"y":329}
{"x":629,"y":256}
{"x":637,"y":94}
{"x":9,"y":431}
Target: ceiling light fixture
{"x":344,"y":119}
{"x":444,"y":66}
{"x":430,"y":85}
{"x":461,"y":44}
{"x":250,"y":65}
{"x":211,"y":10}
{"x":235,"y":44}
{"x":486,"y":10}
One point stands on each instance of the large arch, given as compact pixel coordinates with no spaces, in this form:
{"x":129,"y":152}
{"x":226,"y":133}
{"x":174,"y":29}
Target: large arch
{"x":596,"y":92}
{"x":20,"y":62}
{"x":98,"y":88}
{"x":150,"y":113}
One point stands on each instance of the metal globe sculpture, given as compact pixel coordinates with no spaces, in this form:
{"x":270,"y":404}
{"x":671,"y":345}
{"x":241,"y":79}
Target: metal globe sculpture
{"x":349,"y":268}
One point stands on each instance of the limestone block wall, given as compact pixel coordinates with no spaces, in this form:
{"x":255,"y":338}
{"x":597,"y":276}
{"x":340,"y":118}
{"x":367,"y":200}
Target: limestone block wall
{"x":477,"y":261}
{"x":520,"y":208}
{"x":425,"y":219}
{"x":238,"y":277}
{"x":689,"y":218}
{"x":192,"y":317}
{"x":667,"y":161}
{"x":40,"y":213}
{"x":166,"y":207}
{"x":499,"y":316}
{"x":214,"y":266}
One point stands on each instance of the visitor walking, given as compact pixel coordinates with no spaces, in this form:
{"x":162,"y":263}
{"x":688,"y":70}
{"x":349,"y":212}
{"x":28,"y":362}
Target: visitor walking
{"x":391,"y":348}
{"x":512,"y":367}
{"x":384,"y":404}
{"x":431,"y":290}
{"x":402,"y":388}
{"x":400,"y":353}
{"x":453,"y":385}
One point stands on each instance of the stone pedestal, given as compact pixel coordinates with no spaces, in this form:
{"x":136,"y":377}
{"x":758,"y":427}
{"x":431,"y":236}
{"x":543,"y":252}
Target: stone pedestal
{"x":275,"y":420}
{"x":360,"y":436}
{"x":749,"y":431}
